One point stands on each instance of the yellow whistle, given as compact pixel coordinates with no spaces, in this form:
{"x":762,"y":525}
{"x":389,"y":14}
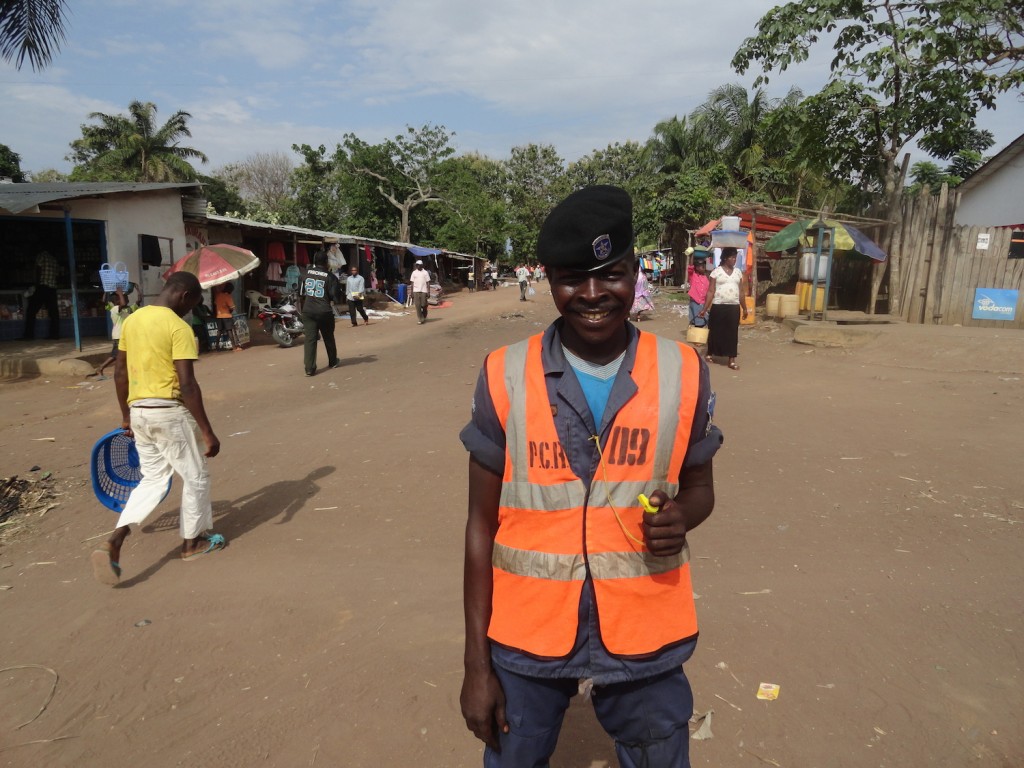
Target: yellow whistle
{"x":646,"y":504}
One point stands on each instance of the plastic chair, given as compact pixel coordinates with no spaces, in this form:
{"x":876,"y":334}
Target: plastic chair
{"x":257,"y":301}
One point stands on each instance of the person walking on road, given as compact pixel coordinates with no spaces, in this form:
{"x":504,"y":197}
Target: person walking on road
{"x":523,"y":276}
{"x":697,"y":276}
{"x":162,"y":408}
{"x":319,"y":290}
{"x":566,"y":575}
{"x":727,"y":286}
{"x":355,"y":293}
{"x":420,"y":280}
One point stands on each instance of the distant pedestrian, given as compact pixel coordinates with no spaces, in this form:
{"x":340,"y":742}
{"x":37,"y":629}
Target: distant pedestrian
{"x":697,"y":275}
{"x":162,"y":408}
{"x":43,"y":296}
{"x":224,"y":309}
{"x":523,"y":277}
{"x":726,"y":289}
{"x":355,"y":293}
{"x":642,"y":301}
{"x":420,"y":280}
{"x":318,"y":292}
{"x":494,"y":278}
{"x":119,"y":306}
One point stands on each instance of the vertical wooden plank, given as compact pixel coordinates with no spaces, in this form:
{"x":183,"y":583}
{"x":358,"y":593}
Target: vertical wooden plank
{"x":909,"y":251}
{"x":923,"y":230}
{"x":936,"y":254}
{"x":954,"y":267}
{"x":967,"y":258}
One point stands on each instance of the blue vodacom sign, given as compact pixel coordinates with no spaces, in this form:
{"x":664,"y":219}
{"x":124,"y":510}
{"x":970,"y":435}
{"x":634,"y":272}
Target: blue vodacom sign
{"x":994,"y":304}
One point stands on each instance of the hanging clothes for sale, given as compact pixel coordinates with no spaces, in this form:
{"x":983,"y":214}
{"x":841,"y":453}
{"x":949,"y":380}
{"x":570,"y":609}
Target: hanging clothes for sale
{"x":274,"y":271}
{"x":301,"y":255}
{"x":335,"y":258}
{"x":275,"y":252}
{"x":292,"y":275}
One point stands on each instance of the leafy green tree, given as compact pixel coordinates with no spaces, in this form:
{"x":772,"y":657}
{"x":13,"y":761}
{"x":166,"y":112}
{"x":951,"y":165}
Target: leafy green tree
{"x":473,"y":217}
{"x":134,"y":147}
{"x":404,"y":169}
{"x":222,"y":195}
{"x":902,"y":68}
{"x":627,"y":166}
{"x":10,"y":164}
{"x":315,"y":201}
{"x":729,"y":128}
{"x":32,"y":29}
{"x":48,"y":176}
{"x":535,"y":183}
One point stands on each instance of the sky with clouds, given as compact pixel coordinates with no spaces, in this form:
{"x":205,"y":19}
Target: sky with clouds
{"x":261,"y":75}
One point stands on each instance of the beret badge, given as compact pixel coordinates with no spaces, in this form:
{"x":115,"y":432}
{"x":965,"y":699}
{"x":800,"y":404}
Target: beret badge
{"x":602,"y":247}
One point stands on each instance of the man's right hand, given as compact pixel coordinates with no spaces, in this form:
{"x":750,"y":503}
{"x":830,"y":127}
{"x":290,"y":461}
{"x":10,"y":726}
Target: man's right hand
{"x":483,"y":706}
{"x":212,"y":445}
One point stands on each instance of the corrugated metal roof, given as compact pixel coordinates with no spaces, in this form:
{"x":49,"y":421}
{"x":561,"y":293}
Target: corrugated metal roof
{"x":17,"y":198}
{"x":322,"y":234}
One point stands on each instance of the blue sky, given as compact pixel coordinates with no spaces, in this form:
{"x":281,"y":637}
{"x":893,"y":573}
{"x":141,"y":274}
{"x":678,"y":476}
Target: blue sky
{"x":260,"y":75}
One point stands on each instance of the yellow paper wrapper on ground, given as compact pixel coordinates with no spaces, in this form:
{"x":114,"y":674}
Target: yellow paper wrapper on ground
{"x":768,"y":691}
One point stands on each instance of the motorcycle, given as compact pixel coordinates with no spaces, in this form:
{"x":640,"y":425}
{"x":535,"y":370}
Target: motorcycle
{"x":282,"y":323}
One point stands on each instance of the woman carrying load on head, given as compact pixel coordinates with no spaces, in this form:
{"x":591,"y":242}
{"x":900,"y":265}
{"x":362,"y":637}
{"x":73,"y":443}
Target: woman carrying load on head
{"x":727,"y":286}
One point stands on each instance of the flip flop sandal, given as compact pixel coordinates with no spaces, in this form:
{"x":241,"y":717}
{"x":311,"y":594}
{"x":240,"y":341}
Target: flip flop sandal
{"x":215,"y":541}
{"x":734,"y":366}
{"x":104,"y":568}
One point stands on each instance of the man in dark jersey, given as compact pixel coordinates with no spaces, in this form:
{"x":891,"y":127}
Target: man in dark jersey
{"x":318,"y":292}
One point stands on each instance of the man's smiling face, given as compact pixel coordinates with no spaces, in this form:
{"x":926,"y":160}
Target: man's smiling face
{"x":595,"y":306}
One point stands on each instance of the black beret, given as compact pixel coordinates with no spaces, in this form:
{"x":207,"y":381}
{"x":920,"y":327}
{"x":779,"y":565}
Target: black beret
{"x":590,"y":229}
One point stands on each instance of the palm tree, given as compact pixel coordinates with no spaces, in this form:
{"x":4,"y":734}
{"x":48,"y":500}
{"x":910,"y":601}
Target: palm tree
{"x":31,"y":28}
{"x":134,"y":148}
{"x":731,"y":122}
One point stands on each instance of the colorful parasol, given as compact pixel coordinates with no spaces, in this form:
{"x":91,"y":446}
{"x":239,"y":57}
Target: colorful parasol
{"x":216,"y":264}
{"x":846,"y":238}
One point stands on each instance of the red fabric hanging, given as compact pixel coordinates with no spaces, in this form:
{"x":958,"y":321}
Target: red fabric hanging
{"x":301,"y":255}
{"x":275,"y":252}
{"x":369,"y":253}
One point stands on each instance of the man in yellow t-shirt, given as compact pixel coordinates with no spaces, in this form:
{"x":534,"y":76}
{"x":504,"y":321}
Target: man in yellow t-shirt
{"x":162,"y":407}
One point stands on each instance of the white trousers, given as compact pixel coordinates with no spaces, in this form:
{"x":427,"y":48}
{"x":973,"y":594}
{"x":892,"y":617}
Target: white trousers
{"x":168,"y":441}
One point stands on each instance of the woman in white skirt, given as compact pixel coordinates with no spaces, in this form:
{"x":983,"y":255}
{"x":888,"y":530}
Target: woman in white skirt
{"x":726,"y":288}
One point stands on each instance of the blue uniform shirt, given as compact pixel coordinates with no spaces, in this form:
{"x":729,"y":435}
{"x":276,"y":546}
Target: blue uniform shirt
{"x":484,"y":438}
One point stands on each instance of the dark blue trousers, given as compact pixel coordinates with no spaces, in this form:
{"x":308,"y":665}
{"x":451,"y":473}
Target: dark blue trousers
{"x":646,"y":718}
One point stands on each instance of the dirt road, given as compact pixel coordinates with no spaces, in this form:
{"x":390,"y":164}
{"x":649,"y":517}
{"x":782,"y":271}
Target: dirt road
{"x":864,"y":555}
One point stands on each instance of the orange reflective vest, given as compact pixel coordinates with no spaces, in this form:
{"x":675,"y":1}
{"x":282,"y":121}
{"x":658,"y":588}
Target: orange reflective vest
{"x":552,"y":532}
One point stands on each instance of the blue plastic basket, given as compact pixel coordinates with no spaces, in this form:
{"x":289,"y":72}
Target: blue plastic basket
{"x":115,"y":470}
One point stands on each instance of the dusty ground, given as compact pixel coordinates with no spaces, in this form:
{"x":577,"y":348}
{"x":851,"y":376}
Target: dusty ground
{"x":864,"y":555}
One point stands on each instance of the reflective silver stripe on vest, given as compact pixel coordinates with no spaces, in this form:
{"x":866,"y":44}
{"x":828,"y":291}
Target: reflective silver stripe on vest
{"x":549,"y":498}
{"x":629,"y":565}
{"x":670,"y":391}
{"x":603,"y":565}
{"x":515,"y":427}
{"x":538,"y":565}
{"x":623,"y":494}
